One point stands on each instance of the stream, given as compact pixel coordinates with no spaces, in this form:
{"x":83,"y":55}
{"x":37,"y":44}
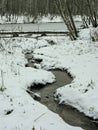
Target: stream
{"x":67,"y":113}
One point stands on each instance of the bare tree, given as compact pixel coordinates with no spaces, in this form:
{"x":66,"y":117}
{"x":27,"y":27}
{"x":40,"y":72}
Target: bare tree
{"x":65,"y":12}
{"x":81,"y":10}
{"x":86,"y":8}
{"x":88,"y":11}
{"x":92,"y":12}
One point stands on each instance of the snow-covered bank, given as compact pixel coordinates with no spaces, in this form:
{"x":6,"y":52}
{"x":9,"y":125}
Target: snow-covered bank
{"x":40,"y":19}
{"x":18,"y":111}
{"x":28,"y":19}
{"x":80,"y":58}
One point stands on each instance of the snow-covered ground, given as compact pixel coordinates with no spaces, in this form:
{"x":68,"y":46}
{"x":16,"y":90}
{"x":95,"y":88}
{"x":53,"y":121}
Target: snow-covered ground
{"x":39,"y":19}
{"x":28,"y":19}
{"x":18,"y":111}
{"x":80,"y":58}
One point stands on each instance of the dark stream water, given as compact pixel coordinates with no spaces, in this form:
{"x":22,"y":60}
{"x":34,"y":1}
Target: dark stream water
{"x":68,"y":114}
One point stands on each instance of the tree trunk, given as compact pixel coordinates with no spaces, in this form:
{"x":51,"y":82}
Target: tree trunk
{"x":92,"y":14}
{"x":67,"y":18}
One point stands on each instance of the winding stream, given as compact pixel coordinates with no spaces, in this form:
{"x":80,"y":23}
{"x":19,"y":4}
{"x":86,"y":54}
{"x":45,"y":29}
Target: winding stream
{"x":68,"y":114}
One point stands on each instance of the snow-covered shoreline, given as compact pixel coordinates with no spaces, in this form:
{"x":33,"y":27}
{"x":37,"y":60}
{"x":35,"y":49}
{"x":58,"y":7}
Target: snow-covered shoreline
{"x":40,"y":19}
{"x":28,"y":19}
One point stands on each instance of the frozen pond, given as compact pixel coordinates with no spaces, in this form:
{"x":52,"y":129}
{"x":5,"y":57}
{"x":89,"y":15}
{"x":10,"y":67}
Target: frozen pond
{"x":55,"y":27}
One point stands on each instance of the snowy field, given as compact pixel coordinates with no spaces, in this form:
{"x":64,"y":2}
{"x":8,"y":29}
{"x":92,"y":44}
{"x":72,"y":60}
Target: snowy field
{"x":18,"y":111}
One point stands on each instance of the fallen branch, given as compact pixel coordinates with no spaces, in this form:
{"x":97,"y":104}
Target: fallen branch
{"x":39,"y":32}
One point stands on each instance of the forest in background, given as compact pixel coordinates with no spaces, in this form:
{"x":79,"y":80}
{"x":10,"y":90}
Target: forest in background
{"x":87,"y":9}
{"x":43,"y":7}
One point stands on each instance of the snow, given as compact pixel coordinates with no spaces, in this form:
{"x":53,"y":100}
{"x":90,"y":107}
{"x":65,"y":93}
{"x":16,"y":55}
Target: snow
{"x":28,"y":19}
{"x":19,"y":19}
{"x":40,"y":19}
{"x":77,"y":18}
{"x":18,"y":111}
{"x":80,"y":58}
{"x":52,"y":19}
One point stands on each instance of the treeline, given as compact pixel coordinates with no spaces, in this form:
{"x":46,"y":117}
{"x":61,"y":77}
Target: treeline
{"x":43,"y":7}
{"x":86,"y":9}
{"x":28,"y":7}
